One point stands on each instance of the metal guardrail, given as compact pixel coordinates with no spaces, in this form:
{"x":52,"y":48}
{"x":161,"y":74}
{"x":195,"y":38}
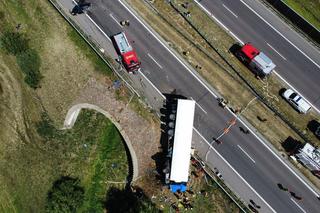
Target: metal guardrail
{"x":221,"y":185}
{"x":257,"y":93}
{"x":296,"y":19}
{"x":94,"y":46}
{"x":96,"y":49}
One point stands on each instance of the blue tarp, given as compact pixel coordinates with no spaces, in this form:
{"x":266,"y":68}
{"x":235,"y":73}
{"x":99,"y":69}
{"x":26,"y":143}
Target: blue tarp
{"x":174,"y":187}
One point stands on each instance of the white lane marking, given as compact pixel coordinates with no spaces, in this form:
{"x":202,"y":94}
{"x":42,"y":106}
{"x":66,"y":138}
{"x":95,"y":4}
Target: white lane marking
{"x":99,"y":28}
{"x":230,"y":10}
{"x":150,"y":56}
{"x":199,"y":106}
{"x":281,"y":34}
{"x":276,"y":51}
{"x":265,"y":145}
{"x":216,"y":96}
{"x":239,"y":40}
{"x":219,"y":22}
{"x":164,"y":97}
{"x":314,"y":107}
{"x":295,"y":202}
{"x":214,"y":149}
{"x":233,"y":169}
{"x":170,"y":51}
{"x":246,"y":153}
{"x":115,"y":20}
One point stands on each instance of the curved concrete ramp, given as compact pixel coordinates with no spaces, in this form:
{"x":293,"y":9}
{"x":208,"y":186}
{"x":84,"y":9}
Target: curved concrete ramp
{"x":71,"y":118}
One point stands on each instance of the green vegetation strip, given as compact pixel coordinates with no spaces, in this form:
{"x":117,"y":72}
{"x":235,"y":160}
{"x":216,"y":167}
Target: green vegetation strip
{"x":309,"y":9}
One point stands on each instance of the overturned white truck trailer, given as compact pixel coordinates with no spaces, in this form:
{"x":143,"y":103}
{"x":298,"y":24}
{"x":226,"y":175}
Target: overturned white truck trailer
{"x":181,"y":148}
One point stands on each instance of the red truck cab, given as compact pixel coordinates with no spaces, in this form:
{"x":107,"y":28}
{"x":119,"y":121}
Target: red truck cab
{"x":126,"y":53}
{"x":257,"y":61}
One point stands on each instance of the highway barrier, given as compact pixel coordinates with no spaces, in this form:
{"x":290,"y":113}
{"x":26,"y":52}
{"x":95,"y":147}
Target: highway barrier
{"x":296,"y":19}
{"x":256,"y":91}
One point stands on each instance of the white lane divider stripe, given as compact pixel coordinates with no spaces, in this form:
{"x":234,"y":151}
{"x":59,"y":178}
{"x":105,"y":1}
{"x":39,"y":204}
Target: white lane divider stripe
{"x":313,"y":106}
{"x":246,"y":153}
{"x":115,"y":20}
{"x":239,"y":40}
{"x":169,"y":50}
{"x":230,"y":10}
{"x":199,"y":106}
{"x":154,"y":60}
{"x":276,"y":51}
{"x":281,"y":34}
{"x":304,"y":211}
{"x":307,"y":185}
{"x":98,"y":27}
{"x":235,"y":171}
{"x":219,"y":22}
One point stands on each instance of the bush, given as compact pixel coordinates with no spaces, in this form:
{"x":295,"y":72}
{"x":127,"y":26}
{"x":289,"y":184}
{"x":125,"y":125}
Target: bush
{"x":13,"y":43}
{"x":66,"y":195}
{"x":29,"y":63}
{"x":46,"y":129}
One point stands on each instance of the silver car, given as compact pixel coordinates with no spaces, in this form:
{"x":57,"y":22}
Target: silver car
{"x":296,"y":101}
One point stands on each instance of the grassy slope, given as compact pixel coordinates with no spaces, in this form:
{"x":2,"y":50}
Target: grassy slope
{"x":309,"y":9}
{"x":29,"y":164}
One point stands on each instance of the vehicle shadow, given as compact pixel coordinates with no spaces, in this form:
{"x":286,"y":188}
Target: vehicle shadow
{"x":163,"y":157}
{"x":291,"y":145}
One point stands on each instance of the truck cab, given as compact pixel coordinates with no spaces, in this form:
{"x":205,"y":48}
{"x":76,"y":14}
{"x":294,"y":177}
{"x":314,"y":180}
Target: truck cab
{"x":257,"y":61}
{"x":126,"y":53}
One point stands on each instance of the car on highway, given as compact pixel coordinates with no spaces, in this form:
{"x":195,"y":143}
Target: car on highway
{"x":296,"y":101}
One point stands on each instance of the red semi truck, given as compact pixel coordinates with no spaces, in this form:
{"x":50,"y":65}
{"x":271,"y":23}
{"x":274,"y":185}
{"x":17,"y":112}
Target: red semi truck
{"x":257,"y":61}
{"x":126,"y":52}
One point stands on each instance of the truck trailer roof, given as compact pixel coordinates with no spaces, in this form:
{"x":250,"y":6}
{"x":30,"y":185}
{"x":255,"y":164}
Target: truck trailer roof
{"x":180,"y":161}
{"x":264,"y":63}
{"x":122,"y":42}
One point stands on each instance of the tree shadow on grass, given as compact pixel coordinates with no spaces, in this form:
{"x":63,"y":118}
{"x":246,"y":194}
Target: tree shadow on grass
{"x":128,"y":201}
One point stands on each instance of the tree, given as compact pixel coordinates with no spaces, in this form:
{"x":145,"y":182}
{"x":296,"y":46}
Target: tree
{"x":126,"y":201}
{"x":66,"y":195}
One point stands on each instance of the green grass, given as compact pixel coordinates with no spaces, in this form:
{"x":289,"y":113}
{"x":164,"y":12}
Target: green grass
{"x":98,"y":63}
{"x":309,"y":9}
{"x":109,"y":166}
{"x":87,"y":152}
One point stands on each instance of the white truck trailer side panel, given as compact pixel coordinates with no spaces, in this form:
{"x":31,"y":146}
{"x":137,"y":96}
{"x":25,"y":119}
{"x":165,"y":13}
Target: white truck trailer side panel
{"x":182,"y":141}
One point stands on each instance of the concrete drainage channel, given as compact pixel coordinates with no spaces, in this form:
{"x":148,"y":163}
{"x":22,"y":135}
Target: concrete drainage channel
{"x":71,"y":118}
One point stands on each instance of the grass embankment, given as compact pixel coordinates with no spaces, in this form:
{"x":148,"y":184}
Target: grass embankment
{"x":310,"y":10}
{"x":30,"y":163}
{"x":94,"y":152}
{"x":215,"y":62}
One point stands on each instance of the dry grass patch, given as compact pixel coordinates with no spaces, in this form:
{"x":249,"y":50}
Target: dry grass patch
{"x":215,"y":69}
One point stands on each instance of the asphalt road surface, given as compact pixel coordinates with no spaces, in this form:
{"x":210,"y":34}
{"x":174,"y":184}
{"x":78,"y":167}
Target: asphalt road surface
{"x":247,"y":154}
{"x":298,"y":62}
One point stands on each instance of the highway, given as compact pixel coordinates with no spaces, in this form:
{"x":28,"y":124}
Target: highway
{"x":298,"y":61}
{"x":246,"y":153}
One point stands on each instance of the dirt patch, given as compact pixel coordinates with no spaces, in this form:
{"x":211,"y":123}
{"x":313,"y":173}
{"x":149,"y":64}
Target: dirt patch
{"x":66,"y":69}
{"x":144,"y":134}
{"x":185,"y":40}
